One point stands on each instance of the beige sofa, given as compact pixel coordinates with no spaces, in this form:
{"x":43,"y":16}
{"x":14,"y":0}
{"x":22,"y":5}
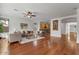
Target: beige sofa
{"x":15,"y":37}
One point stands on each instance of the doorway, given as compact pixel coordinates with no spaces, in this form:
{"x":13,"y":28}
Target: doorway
{"x":71,"y":33}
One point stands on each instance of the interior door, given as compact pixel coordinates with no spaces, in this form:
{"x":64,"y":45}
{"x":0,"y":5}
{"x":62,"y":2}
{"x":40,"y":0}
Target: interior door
{"x":73,"y":33}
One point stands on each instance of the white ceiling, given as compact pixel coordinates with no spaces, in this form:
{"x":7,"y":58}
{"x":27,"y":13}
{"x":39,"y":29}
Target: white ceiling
{"x":45,"y":10}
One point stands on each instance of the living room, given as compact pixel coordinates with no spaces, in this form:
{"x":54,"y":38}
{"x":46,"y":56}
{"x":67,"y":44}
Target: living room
{"x":35,"y":28}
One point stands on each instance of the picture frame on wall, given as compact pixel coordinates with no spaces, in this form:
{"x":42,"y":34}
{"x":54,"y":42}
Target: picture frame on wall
{"x":23,"y":25}
{"x":44,"y":25}
{"x":55,"y":25}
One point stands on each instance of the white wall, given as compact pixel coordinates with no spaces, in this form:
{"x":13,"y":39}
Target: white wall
{"x":16,"y":19}
{"x":14,"y":23}
{"x":62,"y":25}
{"x":63,"y":28}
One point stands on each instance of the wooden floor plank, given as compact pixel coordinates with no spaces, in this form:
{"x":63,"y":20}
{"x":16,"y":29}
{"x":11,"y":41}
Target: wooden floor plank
{"x":46,"y":46}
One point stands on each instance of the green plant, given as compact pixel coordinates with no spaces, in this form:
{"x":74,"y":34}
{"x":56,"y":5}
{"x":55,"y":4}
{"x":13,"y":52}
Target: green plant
{"x":1,"y":27}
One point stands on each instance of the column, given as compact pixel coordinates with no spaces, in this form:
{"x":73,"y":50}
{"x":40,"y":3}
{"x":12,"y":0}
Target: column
{"x":77,"y":25}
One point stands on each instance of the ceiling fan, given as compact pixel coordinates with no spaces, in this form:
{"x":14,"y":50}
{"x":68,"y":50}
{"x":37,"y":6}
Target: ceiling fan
{"x":29,"y":14}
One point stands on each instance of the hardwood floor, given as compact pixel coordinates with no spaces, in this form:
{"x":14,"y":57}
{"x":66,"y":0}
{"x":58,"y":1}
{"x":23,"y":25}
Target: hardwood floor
{"x":47,"y":46}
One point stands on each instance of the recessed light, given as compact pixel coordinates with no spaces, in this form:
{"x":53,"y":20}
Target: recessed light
{"x":15,"y":9}
{"x":75,"y":8}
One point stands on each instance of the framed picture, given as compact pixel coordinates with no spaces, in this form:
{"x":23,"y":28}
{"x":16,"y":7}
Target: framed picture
{"x":55,"y":24}
{"x":23,"y":25}
{"x":44,"y":25}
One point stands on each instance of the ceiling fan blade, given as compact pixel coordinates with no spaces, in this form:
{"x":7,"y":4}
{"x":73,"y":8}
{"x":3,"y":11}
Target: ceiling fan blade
{"x":15,"y":9}
{"x":24,"y":14}
{"x":33,"y":15}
